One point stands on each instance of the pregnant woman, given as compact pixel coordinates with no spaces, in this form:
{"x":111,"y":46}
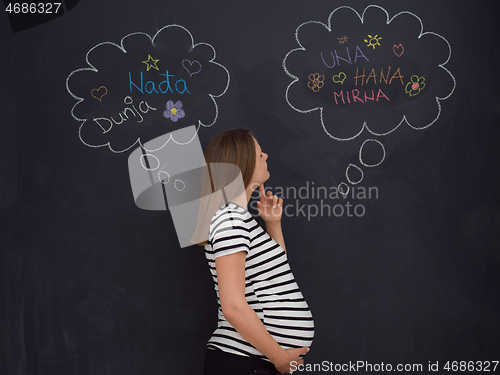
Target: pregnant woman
{"x":264,"y":323}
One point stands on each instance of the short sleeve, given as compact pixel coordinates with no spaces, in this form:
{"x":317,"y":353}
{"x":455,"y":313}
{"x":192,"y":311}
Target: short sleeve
{"x":230,"y":234}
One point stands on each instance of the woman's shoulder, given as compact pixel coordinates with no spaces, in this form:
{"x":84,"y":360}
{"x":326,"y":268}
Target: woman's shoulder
{"x":230,"y":209}
{"x":231,"y":214}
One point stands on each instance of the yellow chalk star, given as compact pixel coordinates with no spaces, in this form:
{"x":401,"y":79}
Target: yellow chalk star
{"x":151,"y":63}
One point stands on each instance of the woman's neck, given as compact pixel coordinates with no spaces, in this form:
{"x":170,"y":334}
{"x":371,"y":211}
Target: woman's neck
{"x":243,"y":199}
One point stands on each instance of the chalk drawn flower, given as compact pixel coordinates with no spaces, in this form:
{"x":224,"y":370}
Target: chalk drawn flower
{"x":174,"y":111}
{"x":415,"y":85}
{"x":316,"y":81}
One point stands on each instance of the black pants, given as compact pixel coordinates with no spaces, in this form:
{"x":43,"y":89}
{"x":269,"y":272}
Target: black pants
{"x":218,"y":362}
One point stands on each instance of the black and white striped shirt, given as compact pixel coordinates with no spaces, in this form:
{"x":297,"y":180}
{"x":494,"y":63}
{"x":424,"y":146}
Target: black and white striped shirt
{"x":270,"y":288}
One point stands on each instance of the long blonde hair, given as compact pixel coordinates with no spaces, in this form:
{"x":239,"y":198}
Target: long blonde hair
{"x":234,"y":147}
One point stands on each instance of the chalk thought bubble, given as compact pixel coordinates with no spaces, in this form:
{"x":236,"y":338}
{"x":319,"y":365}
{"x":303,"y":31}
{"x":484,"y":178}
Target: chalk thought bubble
{"x":368,"y":72}
{"x":144,"y":87}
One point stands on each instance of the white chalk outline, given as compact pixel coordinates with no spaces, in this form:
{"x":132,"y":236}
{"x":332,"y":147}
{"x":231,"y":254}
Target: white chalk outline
{"x":161,"y":179}
{"x":361,"y":149}
{"x":175,"y":185}
{"x":144,"y":156}
{"x":121,"y":47}
{"x":340,"y":190}
{"x":347,"y":175}
{"x":361,"y":17}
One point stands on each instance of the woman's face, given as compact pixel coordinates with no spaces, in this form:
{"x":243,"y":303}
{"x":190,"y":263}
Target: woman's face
{"x":260,"y":173}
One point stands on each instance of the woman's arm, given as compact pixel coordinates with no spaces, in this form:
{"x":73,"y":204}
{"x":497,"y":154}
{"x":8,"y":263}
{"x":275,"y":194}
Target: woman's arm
{"x":231,"y":283}
{"x":274,"y":230}
{"x":270,"y":210}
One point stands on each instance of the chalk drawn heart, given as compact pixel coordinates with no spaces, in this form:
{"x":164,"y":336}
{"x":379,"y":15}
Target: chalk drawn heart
{"x":396,"y":49}
{"x":339,"y":78}
{"x":98,"y":94}
{"x":188,"y":65}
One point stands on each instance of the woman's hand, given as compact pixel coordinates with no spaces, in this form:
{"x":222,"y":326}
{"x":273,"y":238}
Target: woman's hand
{"x":270,"y":208}
{"x":292,"y":360}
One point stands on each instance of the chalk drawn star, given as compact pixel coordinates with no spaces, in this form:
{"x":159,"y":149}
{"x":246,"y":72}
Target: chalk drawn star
{"x":151,"y":63}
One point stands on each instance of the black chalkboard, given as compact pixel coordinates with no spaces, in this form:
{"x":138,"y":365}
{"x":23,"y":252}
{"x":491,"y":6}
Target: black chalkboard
{"x":381,"y":125}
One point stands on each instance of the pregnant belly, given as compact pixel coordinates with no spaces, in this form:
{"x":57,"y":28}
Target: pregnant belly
{"x":290,"y":326}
